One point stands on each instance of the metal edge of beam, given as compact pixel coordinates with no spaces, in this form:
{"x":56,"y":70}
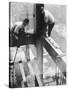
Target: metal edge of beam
{"x":54,"y":53}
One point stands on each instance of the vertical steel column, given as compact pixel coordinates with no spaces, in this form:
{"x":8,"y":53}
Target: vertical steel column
{"x":38,"y":26}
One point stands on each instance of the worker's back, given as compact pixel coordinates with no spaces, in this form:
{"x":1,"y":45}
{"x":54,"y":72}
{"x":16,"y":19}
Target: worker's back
{"x":49,"y":18}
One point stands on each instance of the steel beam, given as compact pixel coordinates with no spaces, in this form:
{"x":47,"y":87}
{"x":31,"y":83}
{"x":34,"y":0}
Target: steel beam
{"x":56,"y":54}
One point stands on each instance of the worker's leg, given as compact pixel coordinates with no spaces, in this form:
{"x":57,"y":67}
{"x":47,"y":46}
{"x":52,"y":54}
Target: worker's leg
{"x":45,"y":30}
{"x":50,"y":27}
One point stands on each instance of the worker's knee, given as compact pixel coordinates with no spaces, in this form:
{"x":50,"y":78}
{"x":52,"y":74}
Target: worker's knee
{"x":52,"y":25}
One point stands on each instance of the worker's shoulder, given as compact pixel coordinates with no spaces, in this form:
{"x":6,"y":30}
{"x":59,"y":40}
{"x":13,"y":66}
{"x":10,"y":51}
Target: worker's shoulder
{"x":18,"y":26}
{"x":49,"y":14}
{"x":18,"y":23}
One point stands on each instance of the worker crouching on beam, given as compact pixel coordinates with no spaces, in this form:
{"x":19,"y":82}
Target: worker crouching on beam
{"x":49,"y":21}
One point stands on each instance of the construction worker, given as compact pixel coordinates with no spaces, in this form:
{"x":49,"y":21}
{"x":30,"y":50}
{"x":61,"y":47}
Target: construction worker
{"x":49,"y":22}
{"x":17,"y":32}
{"x":20,"y":26}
